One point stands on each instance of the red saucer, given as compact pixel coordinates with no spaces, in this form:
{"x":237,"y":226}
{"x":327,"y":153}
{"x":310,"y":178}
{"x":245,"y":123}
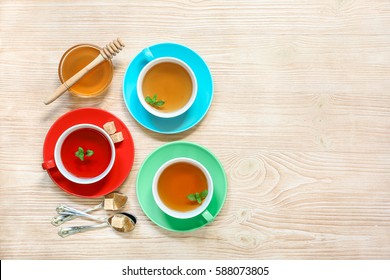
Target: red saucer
{"x":124,"y":152}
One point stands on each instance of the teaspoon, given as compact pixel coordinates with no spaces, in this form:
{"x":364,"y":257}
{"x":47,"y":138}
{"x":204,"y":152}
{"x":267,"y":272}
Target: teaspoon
{"x":120,"y":222}
{"x":112,"y":201}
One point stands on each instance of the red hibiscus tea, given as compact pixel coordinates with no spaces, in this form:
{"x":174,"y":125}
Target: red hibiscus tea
{"x":87,"y":139}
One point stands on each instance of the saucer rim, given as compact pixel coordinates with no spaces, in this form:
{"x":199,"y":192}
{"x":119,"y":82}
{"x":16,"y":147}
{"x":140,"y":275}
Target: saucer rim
{"x":220,"y":203}
{"x":91,"y":121}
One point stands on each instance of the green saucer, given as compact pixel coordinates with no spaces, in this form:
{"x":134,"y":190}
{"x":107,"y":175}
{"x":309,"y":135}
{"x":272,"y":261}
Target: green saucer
{"x":151,"y":165}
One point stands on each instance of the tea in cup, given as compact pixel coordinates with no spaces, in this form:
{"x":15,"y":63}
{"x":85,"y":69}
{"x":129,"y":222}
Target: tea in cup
{"x":183,"y":189}
{"x":166,"y":87}
{"x":83,"y":154}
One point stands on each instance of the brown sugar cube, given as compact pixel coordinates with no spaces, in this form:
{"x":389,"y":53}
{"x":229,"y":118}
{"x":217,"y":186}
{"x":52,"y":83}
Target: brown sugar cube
{"x":117,"y":137}
{"x":119,"y":201}
{"x":109,"y":127}
{"x":118,"y":221}
{"x":122,"y":223}
{"x":108,"y":204}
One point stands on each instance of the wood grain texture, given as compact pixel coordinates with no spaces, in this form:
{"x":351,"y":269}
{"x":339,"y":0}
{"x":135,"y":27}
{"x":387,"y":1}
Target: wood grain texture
{"x":300,"y":121}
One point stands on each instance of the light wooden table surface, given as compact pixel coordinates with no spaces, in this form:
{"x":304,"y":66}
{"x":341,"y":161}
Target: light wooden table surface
{"x":300,"y":121}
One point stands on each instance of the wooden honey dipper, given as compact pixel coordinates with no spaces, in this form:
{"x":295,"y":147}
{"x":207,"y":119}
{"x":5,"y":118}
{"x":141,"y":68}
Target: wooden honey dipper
{"x":106,"y":53}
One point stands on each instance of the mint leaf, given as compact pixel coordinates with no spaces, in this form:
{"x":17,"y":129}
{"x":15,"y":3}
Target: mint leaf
{"x":159,"y":103}
{"x":203,"y":194}
{"x":191,"y":197}
{"x":149,"y":100}
{"x":80,"y":153}
{"x":197,"y":196}
{"x":154,"y":101}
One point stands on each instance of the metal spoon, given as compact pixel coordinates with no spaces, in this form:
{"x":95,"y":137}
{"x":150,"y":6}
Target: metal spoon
{"x":112,"y":201}
{"x":121,"y":222}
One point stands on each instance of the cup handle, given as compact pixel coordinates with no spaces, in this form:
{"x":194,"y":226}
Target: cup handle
{"x":207,"y":216}
{"x":48,"y":164}
{"x":147,"y":54}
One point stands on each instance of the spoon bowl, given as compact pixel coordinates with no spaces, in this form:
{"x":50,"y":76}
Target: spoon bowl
{"x":122,"y":222}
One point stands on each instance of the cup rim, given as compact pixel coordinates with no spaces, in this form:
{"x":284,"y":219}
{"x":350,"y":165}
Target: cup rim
{"x":185,"y":214}
{"x":68,"y":175}
{"x":154,"y":111}
{"x":77,"y":93}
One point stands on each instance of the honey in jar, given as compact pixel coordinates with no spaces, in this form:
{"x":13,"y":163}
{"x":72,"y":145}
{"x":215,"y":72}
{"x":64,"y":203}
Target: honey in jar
{"x":95,"y":81}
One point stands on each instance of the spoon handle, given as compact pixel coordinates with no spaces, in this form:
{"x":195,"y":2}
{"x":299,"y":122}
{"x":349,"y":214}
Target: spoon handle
{"x":72,"y":80}
{"x":60,"y":219}
{"x":66,"y":210}
{"x":64,"y":232}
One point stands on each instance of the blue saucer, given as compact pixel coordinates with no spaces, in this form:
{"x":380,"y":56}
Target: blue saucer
{"x":200,"y":106}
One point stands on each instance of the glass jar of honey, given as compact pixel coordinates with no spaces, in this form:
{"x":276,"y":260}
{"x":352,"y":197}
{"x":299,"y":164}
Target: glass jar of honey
{"x":95,"y":81}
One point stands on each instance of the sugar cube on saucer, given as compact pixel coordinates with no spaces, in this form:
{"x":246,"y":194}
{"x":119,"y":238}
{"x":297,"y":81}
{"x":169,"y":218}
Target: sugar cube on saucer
{"x":109,"y":127}
{"x":117,"y":137}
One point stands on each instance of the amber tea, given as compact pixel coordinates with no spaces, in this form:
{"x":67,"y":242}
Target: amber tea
{"x":171,"y":83}
{"x":178,"y":181}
